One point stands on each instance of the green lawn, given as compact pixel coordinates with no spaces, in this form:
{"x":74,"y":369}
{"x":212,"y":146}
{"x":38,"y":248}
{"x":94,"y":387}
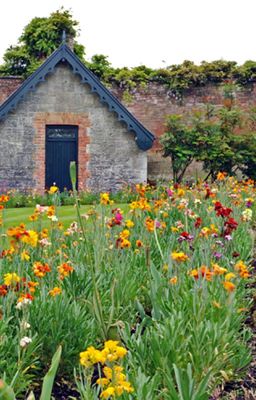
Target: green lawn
{"x":65,"y":214}
{"x":15,"y":216}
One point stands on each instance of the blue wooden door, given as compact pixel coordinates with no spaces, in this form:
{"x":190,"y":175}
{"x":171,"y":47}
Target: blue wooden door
{"x":61,"y":149}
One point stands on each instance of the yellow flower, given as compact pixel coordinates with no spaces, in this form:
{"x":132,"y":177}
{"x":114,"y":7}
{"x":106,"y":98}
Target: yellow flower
{"x":53,"y":189}
{"x":102,"y":381}
{"x":91,"y":356}
{"x":55,"y":291}
{"x":30,"y":238}
{"x":134,"y":205}
{"x":11,"y":278}
{"x":124,"y":234}
{"x":25,"y":256}
{"x":229,"y":276}
{"x":129,"y":223}
{"x":174,"y":229}
{"x":216,"y":304}
{"x":112,"y":352}
{"x":179,"y":256}
{"x":205,"y":231}
{"x":180,"y":192}
{"x":104,"y":199}
{"x":110,"y":391}
{"x":247,"y":215}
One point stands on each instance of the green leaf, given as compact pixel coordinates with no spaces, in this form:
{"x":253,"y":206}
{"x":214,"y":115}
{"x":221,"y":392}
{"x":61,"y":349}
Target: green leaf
{"x":50,"y":376}
{"x":73,"y":174}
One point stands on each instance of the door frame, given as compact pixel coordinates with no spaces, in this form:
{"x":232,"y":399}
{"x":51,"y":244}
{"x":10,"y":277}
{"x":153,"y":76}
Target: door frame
{"x":60,"y":139}
{"x":42,"y":119}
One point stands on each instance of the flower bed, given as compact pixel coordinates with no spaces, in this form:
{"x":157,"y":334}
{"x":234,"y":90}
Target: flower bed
{"x":152,"y":299}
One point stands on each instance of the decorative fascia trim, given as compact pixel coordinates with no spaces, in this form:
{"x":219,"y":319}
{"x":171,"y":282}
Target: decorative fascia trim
{"x":143,"y":137}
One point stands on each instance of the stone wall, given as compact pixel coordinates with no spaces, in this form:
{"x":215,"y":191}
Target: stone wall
{"x":108,"y":154}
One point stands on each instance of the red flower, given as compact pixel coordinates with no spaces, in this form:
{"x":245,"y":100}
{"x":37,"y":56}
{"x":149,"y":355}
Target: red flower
{"x":3,"y":290}
{"x":230,"y":225}
{"x":198,"y":222}
{"x":222,"y":211}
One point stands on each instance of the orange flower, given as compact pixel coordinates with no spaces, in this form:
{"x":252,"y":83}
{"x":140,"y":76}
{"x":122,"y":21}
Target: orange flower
{"x":4,"y":198}
{"x":24,"y":296}
{"x":150,"y":224}
{"x":51,"y":211}
{"x":139,"y":243}
{"x":44,"y":233}
{"x":55,"y":291}
{"x":33,"y":217}
{"x":218,"y":270}
{"x":221,"y":176}
{"x":40,"y":269}
{"x":229,"y":286}
{"x":64,"y":270}
{"x":173,"y":280}
{"x":206,"y":273}
{"x":32,"y":286}
{"x":242,"y":269}
{"x":203,"y":271}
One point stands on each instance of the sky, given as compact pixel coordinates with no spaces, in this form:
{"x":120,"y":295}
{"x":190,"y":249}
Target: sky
{"x":156,"y":33}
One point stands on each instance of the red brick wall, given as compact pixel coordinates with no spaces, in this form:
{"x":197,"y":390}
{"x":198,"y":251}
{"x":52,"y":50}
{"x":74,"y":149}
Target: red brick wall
{"x":152,"y":104}
{"x":8,"y":86}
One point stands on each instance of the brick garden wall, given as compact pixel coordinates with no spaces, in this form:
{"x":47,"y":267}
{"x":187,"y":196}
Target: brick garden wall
{"x":7,"y":86}
{"x":152,"y":104}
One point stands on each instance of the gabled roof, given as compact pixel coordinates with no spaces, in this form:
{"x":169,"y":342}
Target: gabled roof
{"x":143,"y":137}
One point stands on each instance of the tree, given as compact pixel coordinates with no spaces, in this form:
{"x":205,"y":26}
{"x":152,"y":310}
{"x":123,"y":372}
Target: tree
{"x":38,"y":40}
{"x":180,"y":142}
{"x":211,"y":137}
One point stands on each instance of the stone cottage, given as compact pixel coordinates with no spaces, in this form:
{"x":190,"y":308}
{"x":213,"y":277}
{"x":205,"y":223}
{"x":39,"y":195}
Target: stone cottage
{"x":63,"y":113}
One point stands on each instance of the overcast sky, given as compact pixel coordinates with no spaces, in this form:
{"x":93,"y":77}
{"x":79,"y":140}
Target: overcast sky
{"x":151,"y":32}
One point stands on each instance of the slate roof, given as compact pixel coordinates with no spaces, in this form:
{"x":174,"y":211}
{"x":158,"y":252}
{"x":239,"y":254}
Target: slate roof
{"x":143,"y":137}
